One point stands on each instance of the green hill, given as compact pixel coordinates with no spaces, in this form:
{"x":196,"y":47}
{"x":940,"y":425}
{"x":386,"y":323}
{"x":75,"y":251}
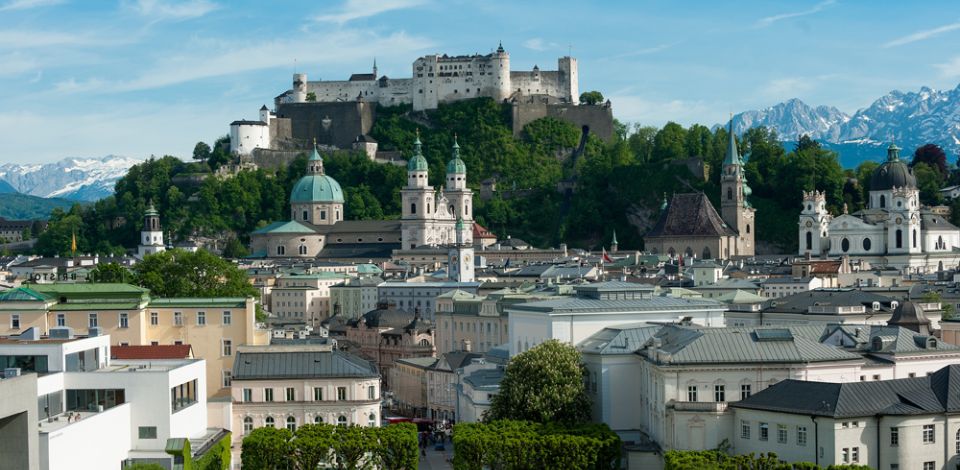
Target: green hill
{"x":16,"y":206}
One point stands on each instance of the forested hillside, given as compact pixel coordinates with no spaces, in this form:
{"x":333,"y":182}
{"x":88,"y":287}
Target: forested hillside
{"x":616,"y":186}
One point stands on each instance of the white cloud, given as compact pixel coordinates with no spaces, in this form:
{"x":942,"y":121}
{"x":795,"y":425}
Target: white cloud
{"x":769,"y":20}
{"x":653,"y":112}
{"x":357,"y":9}
{"x":173,"y":10}
{"x":535,"y":44}
{"x":15,"y":64}
{"x":28,"y":4}
{"x":921,"y":35}
{"x":949,"y":69}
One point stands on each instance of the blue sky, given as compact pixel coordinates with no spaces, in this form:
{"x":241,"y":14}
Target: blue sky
{"x":139,"y":77}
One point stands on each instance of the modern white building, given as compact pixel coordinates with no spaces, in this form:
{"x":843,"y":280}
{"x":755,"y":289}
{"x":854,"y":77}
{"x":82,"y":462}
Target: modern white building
{"x":127,"y":411}
{"x":776,"y":287}
{"x":600,"y":305}
{"x":892,"y":424}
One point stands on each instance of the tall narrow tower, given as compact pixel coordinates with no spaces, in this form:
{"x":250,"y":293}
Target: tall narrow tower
{"x":457,"y":194}
{"x":151,"y":237}
{"x":734,"y":206}
{"x":460,"y":256}
{"x":416,"y":199}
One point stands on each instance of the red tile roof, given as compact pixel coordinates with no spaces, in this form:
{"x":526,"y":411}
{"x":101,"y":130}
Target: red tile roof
{"x":480,"y":231}
{"x":161,"y":351}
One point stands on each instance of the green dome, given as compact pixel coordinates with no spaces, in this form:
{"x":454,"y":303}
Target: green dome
{"x":316,"y":188}
{"x":417,"y":162}
{"x":456,"y":166}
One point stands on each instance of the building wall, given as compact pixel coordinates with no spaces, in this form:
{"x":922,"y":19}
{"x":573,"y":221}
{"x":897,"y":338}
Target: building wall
{"x":246,"y":137}
{"x":409,"y":386}
{"x":483,"y":332}
{"x":613,"y":384}
{"x":19,"y":444}
{"x":81,"y":445}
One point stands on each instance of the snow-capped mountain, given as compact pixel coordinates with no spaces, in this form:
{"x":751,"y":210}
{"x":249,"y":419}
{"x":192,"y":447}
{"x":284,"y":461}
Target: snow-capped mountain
{"x":909,"y":119}
{"x":81,"y":179}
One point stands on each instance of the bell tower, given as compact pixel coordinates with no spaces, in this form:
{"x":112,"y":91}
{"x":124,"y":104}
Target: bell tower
{"x":735,"y":209}
{"x":151,"y":237}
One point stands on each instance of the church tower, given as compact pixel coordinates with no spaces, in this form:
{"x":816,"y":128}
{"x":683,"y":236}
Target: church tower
{"x":734,"y":207}
{"x":151,"y":237}
{"x":459,"y":197}
{"x":460,"y":256}
{"x":416,"y":199}
{"x":814,"y":223}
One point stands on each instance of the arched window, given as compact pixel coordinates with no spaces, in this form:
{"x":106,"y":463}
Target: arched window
{"x":671,"y":252}
{"x":451,"y":208}
{"x":342,"y":420}
{"x":866,"y":244}
{"x":899,"y":238}
{"x":706,"y":252}
{"x":247,"y":424}
{"x":372,"y":420}
{"x":883,"y":201}
{"x":269,"y":422}
{"x":809,"y":241}
{"x":688,"y":251}
{"x":428,"y":208}
{"x":291,"y":423}
{"x":318,"y":419}
{"x":413,"y":208}
{"x":305,"y":214}
{"x":940,"y":244}
{"x":748,"y":228}
{"x":281,"y":250}
{"x":729,"y":193}
{"x":844,"y":245}
{"x":914,"y":238}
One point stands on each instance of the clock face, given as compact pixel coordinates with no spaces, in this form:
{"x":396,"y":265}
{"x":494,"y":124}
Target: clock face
{"x":899,"y":220}
{"x":809,"y":224}
{"x":466,"y":258}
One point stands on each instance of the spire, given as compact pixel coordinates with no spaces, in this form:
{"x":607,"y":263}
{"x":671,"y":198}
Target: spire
{"x":456,"y":165}
{"x":614,"y":241}
{"x":893,"y":153}
{"x":663,"y":206}
{"x":500,"y":48}
{"x":374,"y":67}
{"x":315,"y":162}
{"x":733,"y":156}
{"x":417,"y":162}
{"x":417,"y":146}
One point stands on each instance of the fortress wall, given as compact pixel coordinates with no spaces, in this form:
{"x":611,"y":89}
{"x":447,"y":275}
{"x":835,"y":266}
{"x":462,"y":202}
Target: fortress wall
{"x":347,"y":120}
{"x":598,"y":118}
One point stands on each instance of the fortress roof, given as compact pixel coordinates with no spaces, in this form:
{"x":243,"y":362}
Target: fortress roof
{"x":244,"y":122}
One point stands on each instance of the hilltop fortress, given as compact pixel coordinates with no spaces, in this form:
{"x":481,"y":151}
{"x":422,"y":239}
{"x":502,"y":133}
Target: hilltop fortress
{"x":339,"y":114}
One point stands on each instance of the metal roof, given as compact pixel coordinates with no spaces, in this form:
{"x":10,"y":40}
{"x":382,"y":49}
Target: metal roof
{"x":566,"y":305}
{"x":300,"y":365}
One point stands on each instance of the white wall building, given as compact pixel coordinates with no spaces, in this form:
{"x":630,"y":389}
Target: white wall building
{"x":411,"y":296}
{"x":776,"y":287}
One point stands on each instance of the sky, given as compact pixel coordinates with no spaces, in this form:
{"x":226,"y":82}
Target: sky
{"x":89,"y":78}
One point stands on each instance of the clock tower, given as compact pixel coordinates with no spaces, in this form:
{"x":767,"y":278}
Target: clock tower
{"x":460,"y":257}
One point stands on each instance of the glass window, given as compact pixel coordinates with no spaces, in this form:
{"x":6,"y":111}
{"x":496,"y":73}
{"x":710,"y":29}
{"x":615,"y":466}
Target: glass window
{"x":855,"y":454}
{"x":291,"y":423}
{"x":719,"y":393}
{"x":342,"y":420}
{"x":929,"y":465}
{"x":341,"y":393}
{"x":61,"y":320}
{"x":744,"y":429}
{"x":15,"y":321}
{"x":291,"y":394}
{"x":318,"y":419}
{"x":317,"y":393}
{"x":745,"y":391}
{"x":894,"y":436}
{"x":124,"y":321}
{"x":147,"y":432}
{"x":92,"y":321}
{"x":268,"y":394}
{"x":154,"y":318}
{"x":227,"y":378}
{"x":227,"y":347}
{"x":201,"y":318}
{"x":269,"y":422}
{"x":928,"y":433}
{"x":183,"y":395}
{"x":372,"y":394}
{"x":247,"y":424}
{"x":372,"y":420}
{"x":845,"y":455}
{"x":764,"y":431}
{"x":247,"y":395}
{"x":781,"y":434}
{"x":226,"y":317}
{"x":801,"y":436}
{"x":177,"y":318}
{"x":691,"y":393}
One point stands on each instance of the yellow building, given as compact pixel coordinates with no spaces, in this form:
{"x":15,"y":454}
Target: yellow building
{"x":214,"y":327}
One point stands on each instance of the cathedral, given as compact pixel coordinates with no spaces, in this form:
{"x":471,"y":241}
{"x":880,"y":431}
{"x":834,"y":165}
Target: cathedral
{"x":894,"y":230}
{"x":431,"y":219}
{"x":689,"y":224}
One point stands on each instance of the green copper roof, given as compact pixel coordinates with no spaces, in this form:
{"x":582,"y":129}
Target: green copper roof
{"x":417,"y":162}
{"x":893,"y":153}
{"x":22,"y":294}
{"x":456,"y":165}
{"x":733,"y":155}
{"x":315,"y":155}
{"x":66,"y":288}
{"x":316,"y":188}
{"x":151,"y":210}
{"x":291,"y":226}
{"x":225,"y":302}
{"x":614,"y":241}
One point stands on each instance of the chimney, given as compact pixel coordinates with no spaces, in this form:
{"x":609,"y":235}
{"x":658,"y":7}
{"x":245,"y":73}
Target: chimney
{"x":467,"y":345}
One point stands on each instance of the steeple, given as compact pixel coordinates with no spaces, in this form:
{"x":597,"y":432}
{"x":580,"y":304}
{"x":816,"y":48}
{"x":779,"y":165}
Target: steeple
{"x":733,"y":156}
{"x":500,"y":48}
{"x":893,"y":153}
{"x":315,"y":162}
{"x":613,"y":243}
{"x":374,"y":67}
{"x":663,"y":206}
{"x":456,"y":165}
{"x":417,"y":162}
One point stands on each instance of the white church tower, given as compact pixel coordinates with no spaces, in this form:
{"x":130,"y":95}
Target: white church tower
{"x":459,"y":197}
{"x":814,"y":223}
{"x":416,"y":199}
{"x":460,"y":256}
{"x":151,"y":237}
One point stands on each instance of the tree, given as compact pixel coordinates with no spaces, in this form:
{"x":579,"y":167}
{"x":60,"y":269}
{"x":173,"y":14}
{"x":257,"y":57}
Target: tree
{"x":235,"y":249}
{"x":179,"y":273}
{"x":267,"y":448}
{"x":351,"y":446}
{"x":313,"y":445}
{"x":928,"y":182}
{"x":670,"y":143}
{"x":591,"y":97}
{"x":543,"y":384}
{"x":396,"y":450}
{"x":311,"y":96}
{"x":932,"y":155}
{"x":523,"y":444}
{"x":201,"y":152}
{"x":109,"y":272}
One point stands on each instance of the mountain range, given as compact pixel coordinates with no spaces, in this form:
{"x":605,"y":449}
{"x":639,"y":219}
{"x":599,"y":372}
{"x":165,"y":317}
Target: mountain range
{"x":77,"y":179}
{"x":908,"y":119}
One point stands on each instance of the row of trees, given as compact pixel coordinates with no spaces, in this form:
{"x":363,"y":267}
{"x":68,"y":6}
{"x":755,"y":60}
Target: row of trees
{"x":515,"y":445}
{"x":719,"y":460}
{"x":393,"y":447}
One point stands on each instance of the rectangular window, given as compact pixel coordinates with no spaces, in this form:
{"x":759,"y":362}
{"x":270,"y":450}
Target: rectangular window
{"x":929,"y":465}
{"x":801,"y":436}
{"x":291,"y":394}
{"x":744,"y":429}
{"x":247,"y":395}
{"x":745,"y":391}
{"x":341,"y":393}
{"x":15,"y":321}
{"x":781,"y":434}
{"x":845,"y":455}
{"x":227,"y":378}
{"x":845,"y":424}
{"x":177,"y":318}
{"x":147,"y":432}
{"x":894,"y":466}
{"x":61,"y":320}
{"x":154,"y":318}
{"x":855,"y":454}
{"x":183,"y":395}
{"x":268,"y":394}
{"x":201,"y":318}
{"x":371,"y":392}
{"x":764,"y":431}
{"x":227,"y":347}
{"x":317,"y":393}
{"x":692,"y":393}
{"x":227,"y":317}
{"x":719,"y":393}
{"x":894,"y":436}
{"x":92,"y":320}
{"x":928,"y":433}
{"x":124,"y":321}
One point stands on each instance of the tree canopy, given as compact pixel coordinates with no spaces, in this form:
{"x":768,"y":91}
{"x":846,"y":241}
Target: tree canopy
{"x":179,"y":273}
{"x":543,"y":384}
{"x":510,"y":444}
{"x":393,"y":447}
{"x":591,"y":97}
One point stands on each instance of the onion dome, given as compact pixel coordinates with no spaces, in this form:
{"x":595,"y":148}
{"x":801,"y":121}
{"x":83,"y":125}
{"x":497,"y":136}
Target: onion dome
{"x":417,"y":162}
{"x":893,"y":173}
{"x":456,"y":165}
